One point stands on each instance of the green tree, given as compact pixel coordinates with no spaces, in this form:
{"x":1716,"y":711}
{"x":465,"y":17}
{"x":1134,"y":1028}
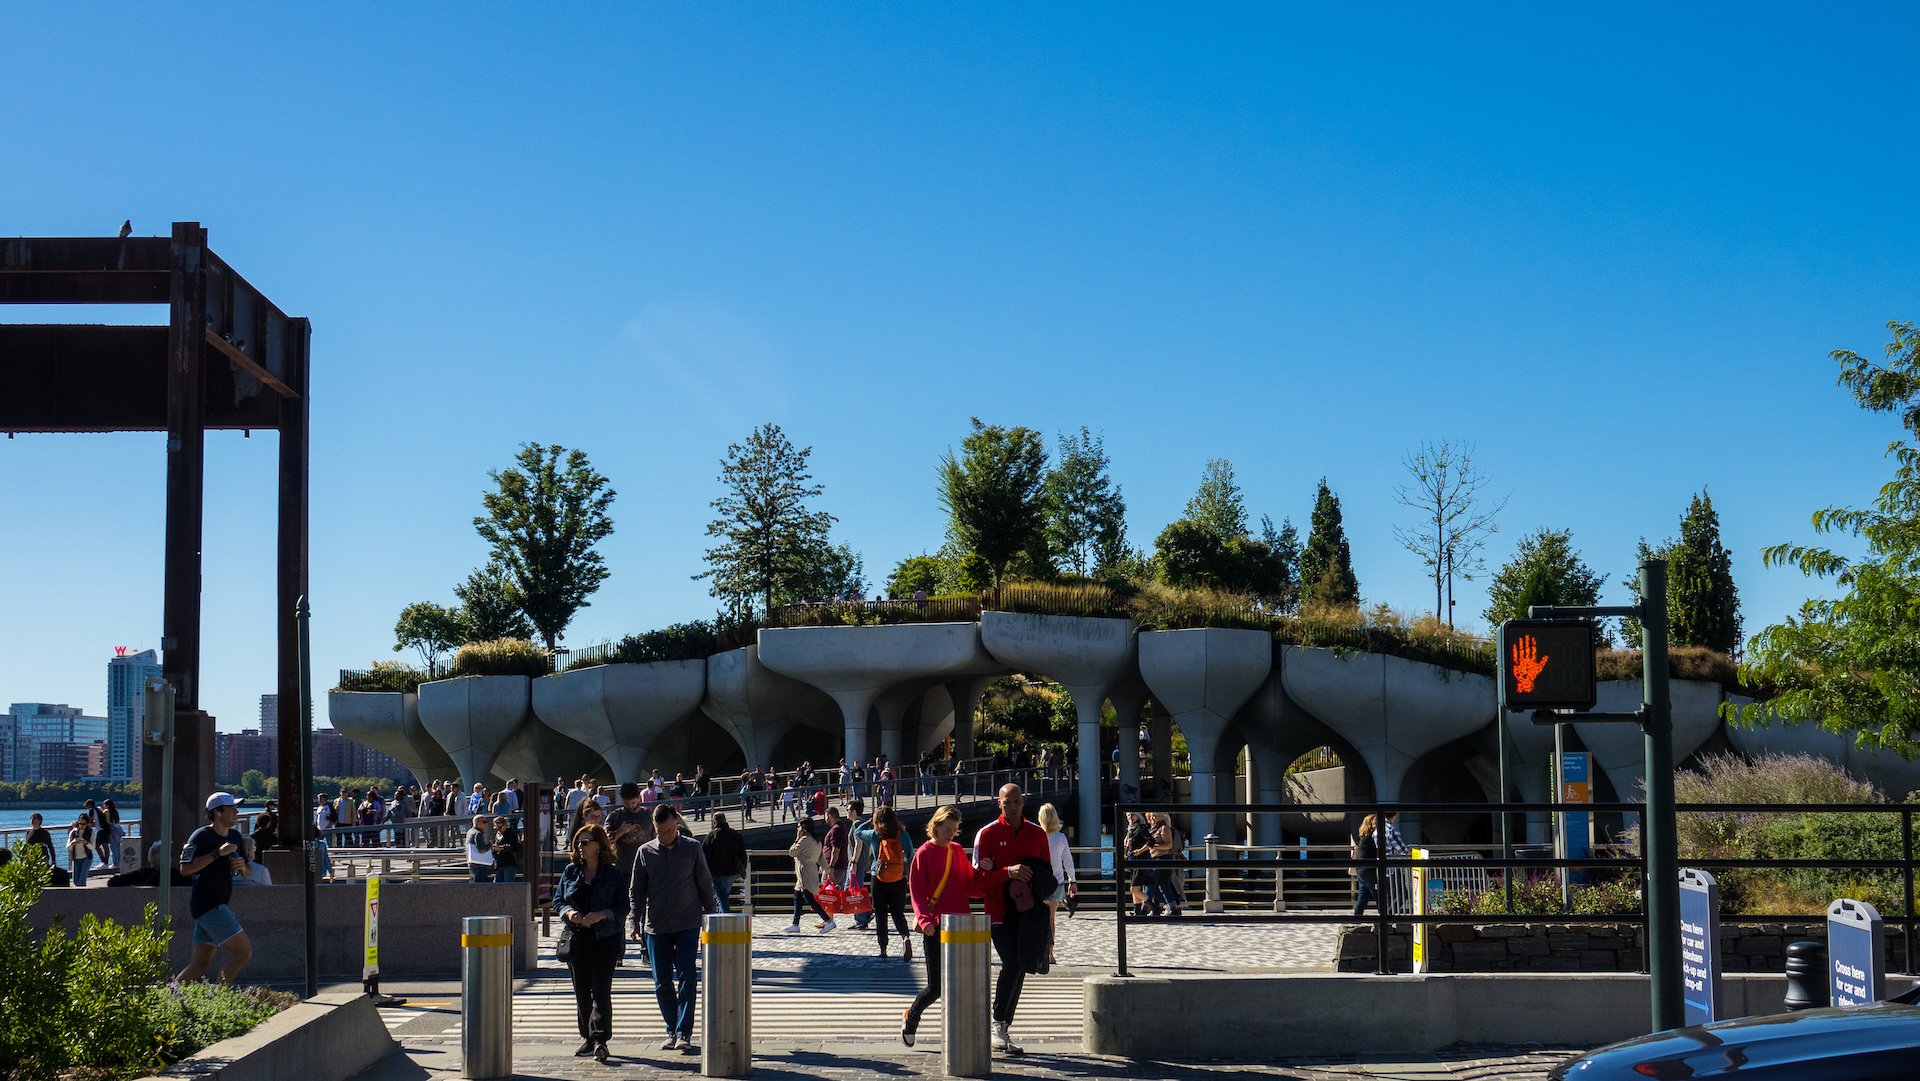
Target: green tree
{"x":915,"y":573}
{"x":1285,"y":545}
{"x":1187,"y":554}
{"x":1085,"y":513}
{"x":993,"y":493}
{"x":1850,"y":663}
{"x":1544,"y":569}
{"x":1703,"y":604}
{"x":1218,"y":506}
{"x":431,"y":629}
{"x":254,"y":783}
{"x":490,"y":607}
{"x":1326,"y":563}
{"x":1451,"y":523}
{"x":772,"y":545}
{"x":543,"y":519}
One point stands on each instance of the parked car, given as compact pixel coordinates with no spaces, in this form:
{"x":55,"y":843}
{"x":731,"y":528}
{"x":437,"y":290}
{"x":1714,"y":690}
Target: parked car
{"x":1877,"y":1042}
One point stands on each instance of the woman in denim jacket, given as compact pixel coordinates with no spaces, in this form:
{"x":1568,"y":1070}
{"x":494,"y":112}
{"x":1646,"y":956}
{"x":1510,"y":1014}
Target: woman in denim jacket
{"x":592,"y":902}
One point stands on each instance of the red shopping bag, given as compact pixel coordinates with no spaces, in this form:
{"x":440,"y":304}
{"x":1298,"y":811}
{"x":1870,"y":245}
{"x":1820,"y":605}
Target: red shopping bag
{"x":856,"y":900}
{"x":830,"y":899}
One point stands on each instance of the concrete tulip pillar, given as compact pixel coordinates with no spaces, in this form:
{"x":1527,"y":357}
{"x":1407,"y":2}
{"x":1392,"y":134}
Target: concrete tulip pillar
{"x":1277,"y":731}
{"x":891,"y":710}
{"x":618,"y":710}
{"x":389,"y":722}
{"x":1160,"y":748}
{"x":853,"y":665}
{"x":1086,"y":656}
{"x":472,"y":717}
{"x":1620,"y":748}
{"x":1530,"y":747}
{"x":965,"y":694}
{"x":754,"y":704}
{"x":1203,"y":677}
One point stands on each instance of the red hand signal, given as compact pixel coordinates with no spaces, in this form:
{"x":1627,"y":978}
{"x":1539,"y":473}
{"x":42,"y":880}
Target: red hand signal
{"x":1527,"y":663}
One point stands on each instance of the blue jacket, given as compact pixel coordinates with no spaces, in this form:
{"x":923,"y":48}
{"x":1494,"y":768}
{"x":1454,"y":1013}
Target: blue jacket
{"x":606,"y":893}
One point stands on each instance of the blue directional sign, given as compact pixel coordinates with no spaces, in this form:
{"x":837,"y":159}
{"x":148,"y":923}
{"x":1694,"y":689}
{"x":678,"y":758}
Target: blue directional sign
{"x":1576,"y":786}
{"x":1700,"y":946}
{"x":1856,"y":953}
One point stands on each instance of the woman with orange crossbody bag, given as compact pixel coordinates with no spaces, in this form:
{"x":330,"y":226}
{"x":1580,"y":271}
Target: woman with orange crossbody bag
{"x":938,"y":883}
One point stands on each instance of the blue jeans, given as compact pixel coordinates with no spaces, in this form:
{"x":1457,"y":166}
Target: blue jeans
{"x":675,"y":979}
{"x":80,"y":868}
{"x":506,"y":874}
{"x":481,"y":872}
{"x":723,"y":890}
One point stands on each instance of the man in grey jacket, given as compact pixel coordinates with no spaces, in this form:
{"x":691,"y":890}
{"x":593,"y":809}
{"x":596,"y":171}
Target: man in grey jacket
{"x":672,"y":889}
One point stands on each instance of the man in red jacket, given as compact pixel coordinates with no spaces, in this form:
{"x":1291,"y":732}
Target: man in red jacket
{"x":997,"y":854}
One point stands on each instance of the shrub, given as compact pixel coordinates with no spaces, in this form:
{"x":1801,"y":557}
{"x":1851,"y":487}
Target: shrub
{"x":1683,"y":662}
{"x":383,"y":676}
{"x":1841,"y":837}
{"x":500,"y":657}
{"x":97,"y":999}
{"x":1168,"y":608}
{"x":1109,"y":600}
{"x":1539,"y":895}
{"x":690,"y":641}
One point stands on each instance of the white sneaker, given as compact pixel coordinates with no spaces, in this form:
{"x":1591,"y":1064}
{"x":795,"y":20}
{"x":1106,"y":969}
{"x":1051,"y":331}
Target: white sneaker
{"x":828,"y":926}
{"x":1006,"y":1041}
{"x":792,"y":929}
{"x":999,"y":1036}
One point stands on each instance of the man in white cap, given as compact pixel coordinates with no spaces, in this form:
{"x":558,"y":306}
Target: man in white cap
{"x":211,"y":858}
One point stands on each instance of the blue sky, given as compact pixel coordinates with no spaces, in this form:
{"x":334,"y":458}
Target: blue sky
{"x":1612,"y":247}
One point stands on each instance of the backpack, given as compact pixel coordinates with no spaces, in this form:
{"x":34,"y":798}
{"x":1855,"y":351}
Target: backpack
{"x":893,"y":861}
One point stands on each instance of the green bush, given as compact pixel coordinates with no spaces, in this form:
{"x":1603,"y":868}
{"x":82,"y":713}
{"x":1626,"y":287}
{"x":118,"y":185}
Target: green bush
{"x":383,"y":676}
{"x":97,"y":999}
{"x":690,"y":641}
{"x":500,"y":657}
{"x":1072,"y":598}
{"x":1539,"y":895}
{"x":1841,"y":837}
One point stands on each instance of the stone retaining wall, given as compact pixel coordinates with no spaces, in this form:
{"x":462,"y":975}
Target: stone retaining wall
{"x":1579,"y":947}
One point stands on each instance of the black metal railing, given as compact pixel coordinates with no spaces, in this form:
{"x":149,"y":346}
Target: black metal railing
{"x":1508,"y":863}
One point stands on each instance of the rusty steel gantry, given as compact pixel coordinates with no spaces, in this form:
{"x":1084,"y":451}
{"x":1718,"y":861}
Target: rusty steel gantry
{"x":228,"y":358}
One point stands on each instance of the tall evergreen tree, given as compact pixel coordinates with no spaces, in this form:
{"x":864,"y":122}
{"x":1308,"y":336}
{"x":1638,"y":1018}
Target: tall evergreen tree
{"x":1544,"y":569}
{"x":773,"y":547}
{"x":1703,"y":604}
{"x":993,"y":494}
{"x":543,"y":519}
{"x":1326,"y":563}
{"x":1085,"y":514}
{"x":1285,"y":544}
{"x":1218,"y":506}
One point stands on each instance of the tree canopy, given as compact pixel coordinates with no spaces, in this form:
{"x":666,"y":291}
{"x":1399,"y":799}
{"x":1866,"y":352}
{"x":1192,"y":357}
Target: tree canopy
{"x":490,"y":606}
{"x":1452,"y":523}
{"x":1851,"y":663}
{"x":992,"y":493}
{"x":773,"y":546}
{"x":1086,"y":523}
{"x":1545,"y":569}
{"x":1703,"y":604}
{"x":543,"y":519}
{"x":430,"y":629}
{"x":1326,"y":563}
{"x":1218,"y":505}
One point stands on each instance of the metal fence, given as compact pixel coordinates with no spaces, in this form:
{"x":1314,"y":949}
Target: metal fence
{"x":1502,"y":868}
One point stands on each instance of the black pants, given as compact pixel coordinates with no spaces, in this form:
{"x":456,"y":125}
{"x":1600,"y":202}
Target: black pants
{"x":1006,"y":991}
{"x":592,"y":969}
{"x":931,"y":994}
{"x":890,"y":901}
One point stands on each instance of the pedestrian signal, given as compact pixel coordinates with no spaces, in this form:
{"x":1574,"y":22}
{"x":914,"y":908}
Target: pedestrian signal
{"x":1546,"y":664}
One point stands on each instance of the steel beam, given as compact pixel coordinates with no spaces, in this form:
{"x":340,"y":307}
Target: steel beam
{"x":186,"y":467}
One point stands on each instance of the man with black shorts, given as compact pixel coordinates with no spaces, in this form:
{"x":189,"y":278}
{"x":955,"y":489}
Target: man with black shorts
{"x":212,"y":856}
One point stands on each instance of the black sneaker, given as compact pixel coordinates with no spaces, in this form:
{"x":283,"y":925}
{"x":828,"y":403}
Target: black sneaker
{"x":585,"y":1048}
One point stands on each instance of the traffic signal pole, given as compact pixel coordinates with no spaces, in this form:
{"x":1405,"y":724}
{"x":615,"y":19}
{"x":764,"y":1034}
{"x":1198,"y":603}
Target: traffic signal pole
{"x":1659,"y":834}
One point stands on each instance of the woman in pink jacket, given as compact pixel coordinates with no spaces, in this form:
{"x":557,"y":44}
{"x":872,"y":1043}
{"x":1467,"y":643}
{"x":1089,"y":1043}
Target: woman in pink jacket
{"x":938,"y":883}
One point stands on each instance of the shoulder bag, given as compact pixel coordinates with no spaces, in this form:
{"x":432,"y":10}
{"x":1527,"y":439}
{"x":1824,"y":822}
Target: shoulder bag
{"x":934,"y":901}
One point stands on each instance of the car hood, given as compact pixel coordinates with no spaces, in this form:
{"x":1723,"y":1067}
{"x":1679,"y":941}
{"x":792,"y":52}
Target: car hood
{"x":1858,"y":1043}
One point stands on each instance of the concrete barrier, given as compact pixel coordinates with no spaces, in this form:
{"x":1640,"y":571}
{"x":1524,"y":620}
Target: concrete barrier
{"x":419,"y":924}
{"x":327,"y":1038}
{"x":1259,"y":1017}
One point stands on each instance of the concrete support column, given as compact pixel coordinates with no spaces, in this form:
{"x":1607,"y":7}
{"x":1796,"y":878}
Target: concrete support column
{"x":854,"y":705}
{"x":966,"y":695}
{"x":1203,"y":733}
{"x":1161,"y":729}
{"x":1269,"y":776}
{"x":1086,"y":706}
{"x":1126,"y":710}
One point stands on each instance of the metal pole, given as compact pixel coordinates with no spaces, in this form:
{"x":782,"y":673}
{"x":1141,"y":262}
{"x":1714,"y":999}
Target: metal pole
{"x":1559,"y":817}
{"x":160,"y":698}
{"x":1212,"y":903}
{"x":1663,"y":861}
{"x":1906,"y":883}
{"x":1506,"y":838}
{"x":486,"y":997}
{"x":967,"y":992}
{"x":310,"y":882}
{"x":1121,"y":894}
{"x":726,"y":1023}
{"x":1382,"y":932}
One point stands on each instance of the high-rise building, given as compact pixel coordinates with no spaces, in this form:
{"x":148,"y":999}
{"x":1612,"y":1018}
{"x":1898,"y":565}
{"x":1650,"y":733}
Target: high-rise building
{"x":270,"y":713}
{"x":234,"y":753}
{"x":127,"y":675}
{"x":40,"y":733}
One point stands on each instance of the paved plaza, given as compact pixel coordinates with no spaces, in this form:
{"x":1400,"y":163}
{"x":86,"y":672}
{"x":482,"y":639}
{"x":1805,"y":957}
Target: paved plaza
{"x":826,"y":1006}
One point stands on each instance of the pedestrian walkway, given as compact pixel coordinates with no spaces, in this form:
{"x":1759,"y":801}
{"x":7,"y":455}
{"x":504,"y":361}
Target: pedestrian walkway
{"x":825,"y":1005}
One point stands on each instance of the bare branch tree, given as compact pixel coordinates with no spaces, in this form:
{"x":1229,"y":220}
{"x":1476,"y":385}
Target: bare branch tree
{"x":1453,"y":526}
